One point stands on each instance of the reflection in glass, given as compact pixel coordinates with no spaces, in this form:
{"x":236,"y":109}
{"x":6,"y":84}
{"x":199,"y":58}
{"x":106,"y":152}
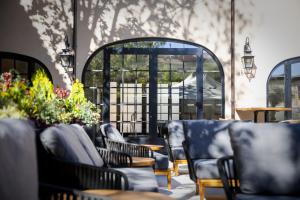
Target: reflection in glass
{"x":133,"y":66}
{"x":22,"y":65}
{"x":276,"y":92}
{"x":295,"y":71}
{"x":212,"y":92}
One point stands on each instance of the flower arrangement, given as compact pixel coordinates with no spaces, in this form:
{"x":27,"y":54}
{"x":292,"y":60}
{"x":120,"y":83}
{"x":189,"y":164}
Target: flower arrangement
{"x":43,"y":103}
{"x":12,"y":89}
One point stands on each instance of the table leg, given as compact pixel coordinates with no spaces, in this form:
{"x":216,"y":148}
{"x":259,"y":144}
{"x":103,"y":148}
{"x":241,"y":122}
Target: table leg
{"x":255,"y":116}
{"x":266,"y":116}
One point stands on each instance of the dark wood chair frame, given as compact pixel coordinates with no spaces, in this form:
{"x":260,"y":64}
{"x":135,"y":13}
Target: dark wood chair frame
{"x":229,"y":177}
{"x":200,"y":183}
{"x":175,"y":162}
{"x":135,"y":150}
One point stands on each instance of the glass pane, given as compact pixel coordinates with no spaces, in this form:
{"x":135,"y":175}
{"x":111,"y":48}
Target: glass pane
{"x":7,"y":64}
{"x":295,"y":70}
{"x":129,"y":82}
{"x":22,"y":67}
{"x":97,"y":62}
{"x":212,"y":88}
{"x":176,"y":88}
{"x":276,"y":93}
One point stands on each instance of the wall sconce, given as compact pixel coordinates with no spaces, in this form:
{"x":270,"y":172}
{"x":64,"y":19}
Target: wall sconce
{"x":248,"y":61}
{"x":67,"y":57}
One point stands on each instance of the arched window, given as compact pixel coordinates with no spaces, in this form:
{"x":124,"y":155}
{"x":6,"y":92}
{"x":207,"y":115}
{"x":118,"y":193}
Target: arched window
{"x":283,"y":89}
{"x":24,"y":65}
{"x":141,"y":84}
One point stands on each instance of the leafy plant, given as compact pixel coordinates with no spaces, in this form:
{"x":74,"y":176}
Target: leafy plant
{"x":12,"y":111}
{"x":12,"y":91}
{"x":44,"y":104}
{"x":83,"y":111}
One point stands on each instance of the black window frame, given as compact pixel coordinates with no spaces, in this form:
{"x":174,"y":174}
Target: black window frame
{"x":30,"y":60}
{"x":287,"y":84}
{"x":106,"y":71}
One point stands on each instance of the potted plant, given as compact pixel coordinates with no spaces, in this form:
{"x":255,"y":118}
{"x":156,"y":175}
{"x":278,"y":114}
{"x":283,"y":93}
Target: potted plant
{"x":44,"y":104}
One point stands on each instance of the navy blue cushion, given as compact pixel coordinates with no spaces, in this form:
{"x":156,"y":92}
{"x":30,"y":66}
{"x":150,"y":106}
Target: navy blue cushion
{"x":140,"y":179}
{"x":18,"y":160}
{"x":206,"y":168}
{"x":178,"y":153}
{"x":176,"y":135}
{"x":207,"y":139}
{"x":267,"y":157}
{"x":264,"y":197}
{"x":161,"y":161}
{"x":70,"y":143}
{"x":111,"y":132}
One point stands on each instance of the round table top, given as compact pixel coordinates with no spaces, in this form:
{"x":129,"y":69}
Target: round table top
{"x":154,"y":147}
{"x":129,"y":195}
{"x":142,"y":161}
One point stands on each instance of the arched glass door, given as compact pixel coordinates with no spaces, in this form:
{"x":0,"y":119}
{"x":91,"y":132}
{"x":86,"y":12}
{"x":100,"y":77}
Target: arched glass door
{"x":283,"y":89}
{"x":142,"y":85}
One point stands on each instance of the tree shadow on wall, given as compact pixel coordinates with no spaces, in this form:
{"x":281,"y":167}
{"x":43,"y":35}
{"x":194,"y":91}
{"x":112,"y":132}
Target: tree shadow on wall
{"x":104,"y":21}
{"x":51,"y":20}
{"x":128,"y":19}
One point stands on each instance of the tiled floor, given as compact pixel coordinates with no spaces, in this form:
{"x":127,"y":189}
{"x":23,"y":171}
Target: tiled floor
{"x":184,"y":189}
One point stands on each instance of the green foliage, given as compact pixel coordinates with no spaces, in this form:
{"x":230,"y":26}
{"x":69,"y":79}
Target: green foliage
{"x":11,"y":110}
{"x":12,"y":88}
{"x":12,"y":91}
{"x":42,"y":103}
{"x":77,"y":94}
{"x":81,"y":110}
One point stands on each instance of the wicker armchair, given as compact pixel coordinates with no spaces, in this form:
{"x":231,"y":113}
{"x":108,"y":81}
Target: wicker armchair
{"x":71,"y":160}
{"x":80,"y":176}
{"x":51,"y":192}
{"x":19,"y":179}
{"x":114,"y":158}
{"x":114,"y":141}
{"x":134,"y":150}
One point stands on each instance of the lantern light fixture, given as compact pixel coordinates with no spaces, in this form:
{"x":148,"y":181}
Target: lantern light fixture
{"x":248,"y":58}
{"x":67,"y":57}
{"x":249,"y":67}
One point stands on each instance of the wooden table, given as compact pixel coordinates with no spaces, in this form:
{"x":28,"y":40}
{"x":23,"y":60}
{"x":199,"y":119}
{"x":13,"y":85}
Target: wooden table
{"x":129,"y":195}
{"x":154,"y":147}
{"x":265,"y":110}
{"x":142,"y":162}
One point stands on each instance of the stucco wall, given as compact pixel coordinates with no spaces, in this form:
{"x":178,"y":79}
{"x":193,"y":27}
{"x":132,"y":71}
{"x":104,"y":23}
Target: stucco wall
{"x":274,"y":37}
{"x":36,"y":28}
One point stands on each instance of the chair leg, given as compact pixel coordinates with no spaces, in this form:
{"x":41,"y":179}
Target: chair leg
{"x":169,"y":177}
{"x":201,"y":189}
{"x":166,"y":173}
{"x":176,"y":168}
{"x":197,"y":188}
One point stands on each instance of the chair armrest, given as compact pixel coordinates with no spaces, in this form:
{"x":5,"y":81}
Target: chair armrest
{"x":81,"y":176}
{"x":192,"y":172}
{"x":227,"y":171}
{"x":169,"y":150}
{"x":115,"y":159}
{"x":133,"y":150}
{"x":47,"y":192}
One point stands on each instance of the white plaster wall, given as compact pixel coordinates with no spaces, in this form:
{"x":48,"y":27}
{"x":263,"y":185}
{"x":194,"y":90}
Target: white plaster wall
{"x":36,"y":28}
{"x":274,"y":37}
{"x":206,"y":22}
